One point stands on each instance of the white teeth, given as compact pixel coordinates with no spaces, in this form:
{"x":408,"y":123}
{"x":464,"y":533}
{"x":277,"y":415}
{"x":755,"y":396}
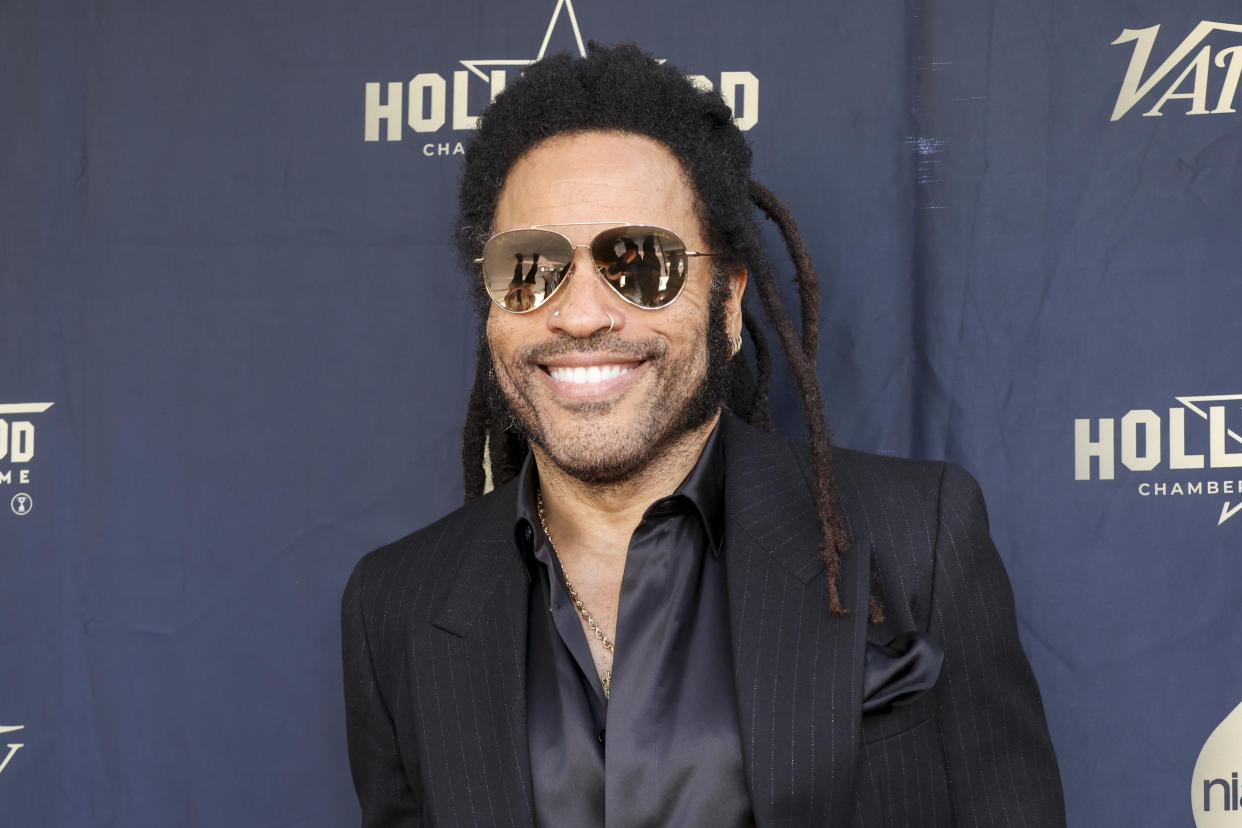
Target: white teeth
{"x":593,"y":375}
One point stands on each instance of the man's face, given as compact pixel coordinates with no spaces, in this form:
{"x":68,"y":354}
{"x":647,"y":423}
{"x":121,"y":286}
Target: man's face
{"x":647,"y":380}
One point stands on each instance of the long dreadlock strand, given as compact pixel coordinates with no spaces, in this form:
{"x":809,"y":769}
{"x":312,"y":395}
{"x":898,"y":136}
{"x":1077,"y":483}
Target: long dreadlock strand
{"x":808,"y":279}
{"x":834,"y":540}
{"x":474,"y":434}
{"x":761,"y":416}
{"x":489,"y":446}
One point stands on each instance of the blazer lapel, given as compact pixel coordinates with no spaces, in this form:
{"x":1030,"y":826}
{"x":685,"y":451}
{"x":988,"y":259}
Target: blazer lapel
{"x":798,"y":669}
{"x":482,"y":632}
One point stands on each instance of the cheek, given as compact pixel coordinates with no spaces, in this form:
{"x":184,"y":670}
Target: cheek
{"x":507,"y":336}
{"x":691,"y":307}
{"x":685,"y":330}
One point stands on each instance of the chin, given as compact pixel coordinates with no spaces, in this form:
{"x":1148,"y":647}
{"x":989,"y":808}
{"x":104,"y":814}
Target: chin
{"x":596,"y":449}
{"x":597,"y":471}
{"x":614,"y":444}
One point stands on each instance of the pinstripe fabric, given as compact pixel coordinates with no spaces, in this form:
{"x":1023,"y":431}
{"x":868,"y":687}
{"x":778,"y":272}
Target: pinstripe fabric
{"x":798,"y":669}
{"x":976,"y":750}
{"x":434,"y":637}
{"x":435,"y":661}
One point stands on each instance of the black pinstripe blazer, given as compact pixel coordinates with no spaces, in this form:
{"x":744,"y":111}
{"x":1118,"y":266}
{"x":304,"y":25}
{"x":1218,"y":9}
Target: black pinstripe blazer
{"x":434,"y":644}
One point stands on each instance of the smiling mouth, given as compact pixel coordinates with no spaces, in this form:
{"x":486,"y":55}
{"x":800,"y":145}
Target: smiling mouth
{"x":588,"y":375}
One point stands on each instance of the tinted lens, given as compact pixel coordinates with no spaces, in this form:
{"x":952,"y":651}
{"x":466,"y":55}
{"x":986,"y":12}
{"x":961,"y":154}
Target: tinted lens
{"x":521,"y":268}
{"x":646,"y":265}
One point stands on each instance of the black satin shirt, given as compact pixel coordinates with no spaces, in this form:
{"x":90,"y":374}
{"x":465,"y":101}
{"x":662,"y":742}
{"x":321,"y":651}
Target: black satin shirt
{"x":665,"y":750}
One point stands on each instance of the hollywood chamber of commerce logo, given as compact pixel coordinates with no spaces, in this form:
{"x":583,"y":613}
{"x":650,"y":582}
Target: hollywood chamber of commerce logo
{"x":1141,"y":441}
{"x":422,"y":103}
{"x":17,"y":449}
{"x":1208,"y":80}
{"x":1214,"y":795}
{"x":13,"y":747}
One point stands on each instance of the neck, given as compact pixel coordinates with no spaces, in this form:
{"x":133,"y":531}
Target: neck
{"x":597,"y":519}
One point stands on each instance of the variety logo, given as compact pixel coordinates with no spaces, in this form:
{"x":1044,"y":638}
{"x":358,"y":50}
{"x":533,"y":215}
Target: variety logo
{"x":1214,"y":794}
{"x":423,"y":103}
{"x":1205,"y":79}
{"x":13,"y":747}
{"x":17,"y":441}
{"x":1147,"y":442}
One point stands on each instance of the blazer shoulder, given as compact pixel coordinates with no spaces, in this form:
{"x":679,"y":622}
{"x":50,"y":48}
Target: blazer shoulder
{"x":897,"y":508}
{"x":871,"y":488}
{"x":866,"y":470}
{"x":864,"y":479}
{"x":419,"y":567}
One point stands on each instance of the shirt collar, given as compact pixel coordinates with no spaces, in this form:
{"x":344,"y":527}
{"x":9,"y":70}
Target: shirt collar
{"x":703,"y":488}
{"x":526,"y":530}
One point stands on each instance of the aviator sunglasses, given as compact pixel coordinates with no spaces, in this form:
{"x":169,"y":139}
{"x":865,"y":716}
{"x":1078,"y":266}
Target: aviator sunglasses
{"x":645,"y":265}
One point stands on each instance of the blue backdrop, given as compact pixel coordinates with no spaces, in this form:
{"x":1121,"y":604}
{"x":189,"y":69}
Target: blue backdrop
{"x":224,"y":262}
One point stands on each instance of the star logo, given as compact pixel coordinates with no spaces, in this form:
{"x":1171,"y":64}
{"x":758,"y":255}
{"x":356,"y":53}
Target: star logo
{"x":1227,"y":510}
{"x":561,"y":5}
{"x":1189,"y":402}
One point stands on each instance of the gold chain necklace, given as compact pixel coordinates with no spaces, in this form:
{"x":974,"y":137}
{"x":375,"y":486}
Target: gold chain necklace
{"x":605,"y":677}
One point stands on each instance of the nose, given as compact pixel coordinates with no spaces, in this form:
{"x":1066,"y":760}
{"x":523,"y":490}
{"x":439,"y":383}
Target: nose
{"x":585,"y":304}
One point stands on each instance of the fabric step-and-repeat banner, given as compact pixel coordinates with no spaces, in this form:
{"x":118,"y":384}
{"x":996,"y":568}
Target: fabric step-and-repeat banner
{"x":235,"y":349}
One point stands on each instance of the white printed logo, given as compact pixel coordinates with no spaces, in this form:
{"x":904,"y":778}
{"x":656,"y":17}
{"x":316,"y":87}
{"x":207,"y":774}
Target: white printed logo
{"x":1203,"y":80}
{"x":422,"y":103}
{"x":1144,"y":437}
{"x":1214,"y":795}
{"x":17,"y":442}
{"x":13,"y":747}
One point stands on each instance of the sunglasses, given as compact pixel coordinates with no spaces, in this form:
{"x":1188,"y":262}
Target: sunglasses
{"x":645,"y":265}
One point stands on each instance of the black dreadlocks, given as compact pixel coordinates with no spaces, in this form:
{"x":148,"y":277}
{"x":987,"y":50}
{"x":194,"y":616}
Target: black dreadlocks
{"x":623,"y":89}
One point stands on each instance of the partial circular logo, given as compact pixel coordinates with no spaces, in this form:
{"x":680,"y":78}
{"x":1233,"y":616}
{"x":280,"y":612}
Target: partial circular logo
{"x":21,"y":504}
{"x":1214,"y":794}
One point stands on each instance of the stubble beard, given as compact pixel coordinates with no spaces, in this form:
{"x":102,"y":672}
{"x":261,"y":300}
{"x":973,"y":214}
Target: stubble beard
{"x":594,"y":454}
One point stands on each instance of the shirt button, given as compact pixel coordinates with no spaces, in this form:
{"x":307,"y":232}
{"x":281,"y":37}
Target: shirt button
{"x":601,"y":735}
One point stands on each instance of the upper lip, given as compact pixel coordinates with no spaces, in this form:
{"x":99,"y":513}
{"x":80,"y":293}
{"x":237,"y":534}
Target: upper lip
{"x":587,"y":360}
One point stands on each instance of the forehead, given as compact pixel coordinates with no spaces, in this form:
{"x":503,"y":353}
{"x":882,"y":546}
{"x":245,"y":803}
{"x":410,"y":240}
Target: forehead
{"x":598,"y":176}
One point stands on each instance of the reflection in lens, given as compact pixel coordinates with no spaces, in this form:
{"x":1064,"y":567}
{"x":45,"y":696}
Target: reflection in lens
{"x":521,"y":268}
{"x":646,"y":265}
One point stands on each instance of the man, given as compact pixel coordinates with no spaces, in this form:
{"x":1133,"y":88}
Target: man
{"x":662,"y":615}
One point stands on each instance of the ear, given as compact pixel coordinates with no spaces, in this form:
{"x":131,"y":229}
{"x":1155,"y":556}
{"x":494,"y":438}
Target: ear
{"x":737,"y":286}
